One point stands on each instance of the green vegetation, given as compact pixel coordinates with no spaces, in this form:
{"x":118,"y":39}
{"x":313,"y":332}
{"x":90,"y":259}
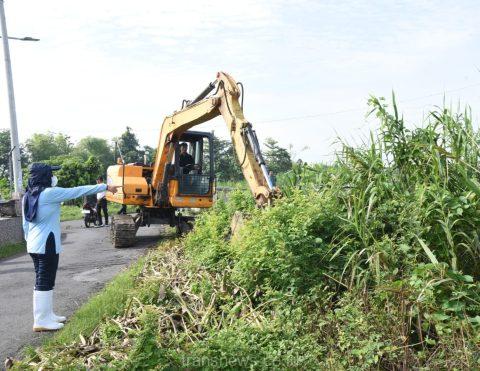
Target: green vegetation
{"x":84,"y":161}
{"x":372,"y":263}
{"x":278,"y":159}
{"x":41,"y":147}
{"x":4,"y":189}
{"x":129,"y":144}
{"x":70,"y":212}
{"x":75,"y":171}
{"x":225,"y":161}
{"x":97,"y":148}
{"x":226,"y":164}
{"x":74,"y":212}
{"x":4,"y":154}
{"x":107,"y":303}
{"x":12,"y":249}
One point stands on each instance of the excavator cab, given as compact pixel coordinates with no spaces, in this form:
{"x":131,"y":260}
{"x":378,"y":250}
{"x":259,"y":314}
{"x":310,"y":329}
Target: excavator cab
{"x":191,"y":174}
{"x":195,"y":178}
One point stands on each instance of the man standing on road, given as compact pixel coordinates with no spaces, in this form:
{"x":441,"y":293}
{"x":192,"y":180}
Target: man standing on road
{"x":41,"y":227}
{"x":101,"y":204}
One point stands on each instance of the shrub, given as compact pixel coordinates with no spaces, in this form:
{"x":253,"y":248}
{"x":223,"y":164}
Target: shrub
{"x":372,"y":263}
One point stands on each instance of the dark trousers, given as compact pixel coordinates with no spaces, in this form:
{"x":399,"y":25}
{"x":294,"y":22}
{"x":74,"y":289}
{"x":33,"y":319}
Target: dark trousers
{"x":102,"y":205}
{"x":46,"y":266}
{"x":123,"y":210}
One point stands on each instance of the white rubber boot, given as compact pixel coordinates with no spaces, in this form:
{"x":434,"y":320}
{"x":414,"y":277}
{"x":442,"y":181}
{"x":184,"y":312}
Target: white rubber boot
{"x":42,"y":307}
{"x":53,"y":316}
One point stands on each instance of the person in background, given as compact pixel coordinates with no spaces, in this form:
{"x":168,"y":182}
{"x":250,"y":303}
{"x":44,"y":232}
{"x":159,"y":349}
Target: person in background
{"x":123,"y":210}
{"x":273,"y":178}
{"x":101,"y":204}
{"x":41,"y":228}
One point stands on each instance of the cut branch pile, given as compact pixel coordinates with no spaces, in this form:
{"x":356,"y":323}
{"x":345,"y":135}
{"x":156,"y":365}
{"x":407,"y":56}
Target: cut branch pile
{"x":183,"y":313}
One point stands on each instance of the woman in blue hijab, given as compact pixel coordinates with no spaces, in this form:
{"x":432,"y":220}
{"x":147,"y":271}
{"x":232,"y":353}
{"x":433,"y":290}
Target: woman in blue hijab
{"x":41,"y":226}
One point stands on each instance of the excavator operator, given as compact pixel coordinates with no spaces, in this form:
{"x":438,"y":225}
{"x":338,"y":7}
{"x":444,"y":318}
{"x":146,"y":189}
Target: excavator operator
{"x":187,"y":163}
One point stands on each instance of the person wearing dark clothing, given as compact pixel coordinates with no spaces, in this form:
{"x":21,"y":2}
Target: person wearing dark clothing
{"x":123,"y":210}
{"x":46,"y":266}
{"x":101,"y":204}
{"x":186,"y":160}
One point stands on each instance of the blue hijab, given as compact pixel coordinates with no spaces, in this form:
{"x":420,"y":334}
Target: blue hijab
{"x":39,"y":179}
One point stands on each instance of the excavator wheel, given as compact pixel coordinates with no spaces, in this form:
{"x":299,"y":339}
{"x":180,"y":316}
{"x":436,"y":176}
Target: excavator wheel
{"x":123,"y":231}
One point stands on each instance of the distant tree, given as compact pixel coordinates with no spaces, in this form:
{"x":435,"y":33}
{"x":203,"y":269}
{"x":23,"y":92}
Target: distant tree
{"x":227,"y":165}
{"x":4,"y":189}
{"x":129,"y":144}
{"x":42,"y":147}
{"x":278,"y":158}
{"x":76,"y":171}
{"x":4,"y":152}
{"x":225,"y":161}
{"x":5,"y":146}
{"x":96,"y":147}
{"x":150,"y":152}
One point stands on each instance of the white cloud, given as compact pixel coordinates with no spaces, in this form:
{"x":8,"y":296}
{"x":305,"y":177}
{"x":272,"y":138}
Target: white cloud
{"x":101,"y":65}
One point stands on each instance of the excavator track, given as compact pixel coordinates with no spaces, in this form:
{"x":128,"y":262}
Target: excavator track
{"x":123,"y":230}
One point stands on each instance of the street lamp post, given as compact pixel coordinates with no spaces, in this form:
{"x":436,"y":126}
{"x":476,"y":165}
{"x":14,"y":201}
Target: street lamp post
{"x":16,"y":160}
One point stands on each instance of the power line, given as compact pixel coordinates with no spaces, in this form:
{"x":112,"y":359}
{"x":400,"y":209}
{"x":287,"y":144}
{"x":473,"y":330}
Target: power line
{"x":441,"y":93}
{"x":363,"y":109}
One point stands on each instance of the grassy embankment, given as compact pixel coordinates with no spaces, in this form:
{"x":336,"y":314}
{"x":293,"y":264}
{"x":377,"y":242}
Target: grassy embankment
{"x":73,"y":212}
{"x":372,"y":263}
{"x":107,"y":303}
{"x":12,"y":249}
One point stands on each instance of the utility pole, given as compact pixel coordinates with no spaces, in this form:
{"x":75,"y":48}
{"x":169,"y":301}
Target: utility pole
{"x":16,"y":160}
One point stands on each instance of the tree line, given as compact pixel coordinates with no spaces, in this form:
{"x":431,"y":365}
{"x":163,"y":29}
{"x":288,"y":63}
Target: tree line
{"x":84,"y":161}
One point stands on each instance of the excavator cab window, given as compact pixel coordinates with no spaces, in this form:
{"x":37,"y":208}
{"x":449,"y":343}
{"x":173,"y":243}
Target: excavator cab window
{"x":194,"y":169}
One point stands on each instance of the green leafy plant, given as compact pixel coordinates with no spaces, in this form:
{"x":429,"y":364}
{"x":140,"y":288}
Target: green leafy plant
{"x":370,"y":263}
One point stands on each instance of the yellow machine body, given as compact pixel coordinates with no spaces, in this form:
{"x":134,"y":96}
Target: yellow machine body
{"x":160,"y":189}
{"x":136,"y":191}
{"x":133,"y":187}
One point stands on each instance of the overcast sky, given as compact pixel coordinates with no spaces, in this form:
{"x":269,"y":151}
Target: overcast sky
{"x":308,"y":66}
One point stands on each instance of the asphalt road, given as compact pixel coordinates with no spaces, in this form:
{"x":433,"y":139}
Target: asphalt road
{"x":87,"y":262}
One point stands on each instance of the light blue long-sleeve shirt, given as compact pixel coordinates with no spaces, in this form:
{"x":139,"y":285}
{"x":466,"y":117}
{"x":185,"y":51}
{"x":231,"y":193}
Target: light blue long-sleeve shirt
{"x":47,"y":218}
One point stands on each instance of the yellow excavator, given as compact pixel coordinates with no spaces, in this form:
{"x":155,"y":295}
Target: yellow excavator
{"x":163,"y":189}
